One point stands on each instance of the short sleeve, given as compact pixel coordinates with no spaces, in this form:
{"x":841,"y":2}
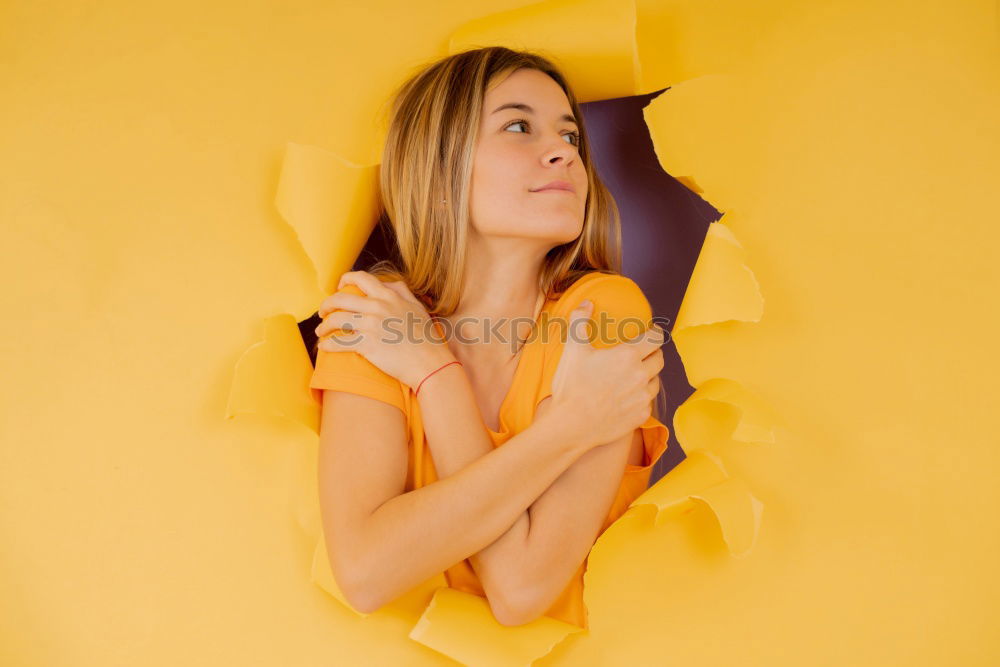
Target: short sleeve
{"x":621,"y":312}
{"x":655,"y":435}
{"x":350,"y":372}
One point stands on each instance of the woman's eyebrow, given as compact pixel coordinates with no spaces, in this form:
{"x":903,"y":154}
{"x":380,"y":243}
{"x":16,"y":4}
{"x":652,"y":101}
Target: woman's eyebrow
{"x":528,"y":109}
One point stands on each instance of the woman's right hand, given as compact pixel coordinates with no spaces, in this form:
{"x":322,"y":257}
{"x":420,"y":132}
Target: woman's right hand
{"x":602,"y":394}
{"x":389,"y":327}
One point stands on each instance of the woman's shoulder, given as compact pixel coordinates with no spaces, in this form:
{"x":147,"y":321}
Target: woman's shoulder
{"x":607,"y":290}
{"x":621,"y":309}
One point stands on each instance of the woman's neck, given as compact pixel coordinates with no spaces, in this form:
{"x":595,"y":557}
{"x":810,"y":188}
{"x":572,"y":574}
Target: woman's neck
{"x":501,"y":295}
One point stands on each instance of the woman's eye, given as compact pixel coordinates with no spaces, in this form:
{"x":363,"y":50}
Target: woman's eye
{"x":574,"y":137}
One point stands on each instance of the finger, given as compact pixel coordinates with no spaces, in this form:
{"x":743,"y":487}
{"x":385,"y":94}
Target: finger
{"x":580,"y":326}
{"x":655,"y":339}
{"x":649,"y":341}
{"x":339,"y":343}
{"x":368,"y":283}
{"x":325,"y":305}
{"x":344,"y":321}
{"x":346,"y":301}
{"x":653,"y":386}
{"x":400,"y":288}
{"x":653,"y":363}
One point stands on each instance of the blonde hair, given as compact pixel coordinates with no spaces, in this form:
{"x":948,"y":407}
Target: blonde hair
{"x":428,"y":154}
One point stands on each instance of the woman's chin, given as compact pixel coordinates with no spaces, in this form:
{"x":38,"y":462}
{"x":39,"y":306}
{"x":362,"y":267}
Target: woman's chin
{"x":561,"y":239}
{"x":559,"y":227}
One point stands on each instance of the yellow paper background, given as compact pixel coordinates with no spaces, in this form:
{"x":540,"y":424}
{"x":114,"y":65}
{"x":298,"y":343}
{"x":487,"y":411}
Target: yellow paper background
{"x":853,"y":148}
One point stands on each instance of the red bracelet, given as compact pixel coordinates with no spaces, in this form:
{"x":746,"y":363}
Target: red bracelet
{"x":432,"y":373}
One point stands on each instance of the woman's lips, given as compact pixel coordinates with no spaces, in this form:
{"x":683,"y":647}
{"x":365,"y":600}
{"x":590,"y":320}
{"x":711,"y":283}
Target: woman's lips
{"x":557,"y":186}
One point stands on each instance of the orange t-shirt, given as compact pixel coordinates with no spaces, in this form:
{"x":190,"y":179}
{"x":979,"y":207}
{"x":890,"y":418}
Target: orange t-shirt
{"x":617,"y":296}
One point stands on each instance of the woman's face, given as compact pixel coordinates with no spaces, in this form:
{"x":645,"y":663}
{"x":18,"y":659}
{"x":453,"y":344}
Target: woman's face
{"x":521,"y":150}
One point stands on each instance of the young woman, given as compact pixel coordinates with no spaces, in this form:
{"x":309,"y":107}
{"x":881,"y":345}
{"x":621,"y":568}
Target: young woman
{"x":500,"y":221}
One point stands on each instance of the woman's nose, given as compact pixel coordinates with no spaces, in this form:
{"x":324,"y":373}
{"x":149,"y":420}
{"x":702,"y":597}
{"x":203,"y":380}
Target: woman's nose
{"x":559,"y":153}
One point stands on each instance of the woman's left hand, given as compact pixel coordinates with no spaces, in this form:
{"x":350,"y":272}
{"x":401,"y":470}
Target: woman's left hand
{"x":388,"y":326}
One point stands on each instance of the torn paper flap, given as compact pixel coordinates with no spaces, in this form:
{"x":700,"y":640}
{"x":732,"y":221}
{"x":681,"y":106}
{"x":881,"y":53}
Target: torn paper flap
{"x":702,"y":478}
{"x":593,"y":42}
{"x":332,"y":206}
{"x":696,"y":134}
{"x":723,"y":401}
{"x":272,"y":376}
{"x":462,"y":626}
{"x":722,"y":287}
